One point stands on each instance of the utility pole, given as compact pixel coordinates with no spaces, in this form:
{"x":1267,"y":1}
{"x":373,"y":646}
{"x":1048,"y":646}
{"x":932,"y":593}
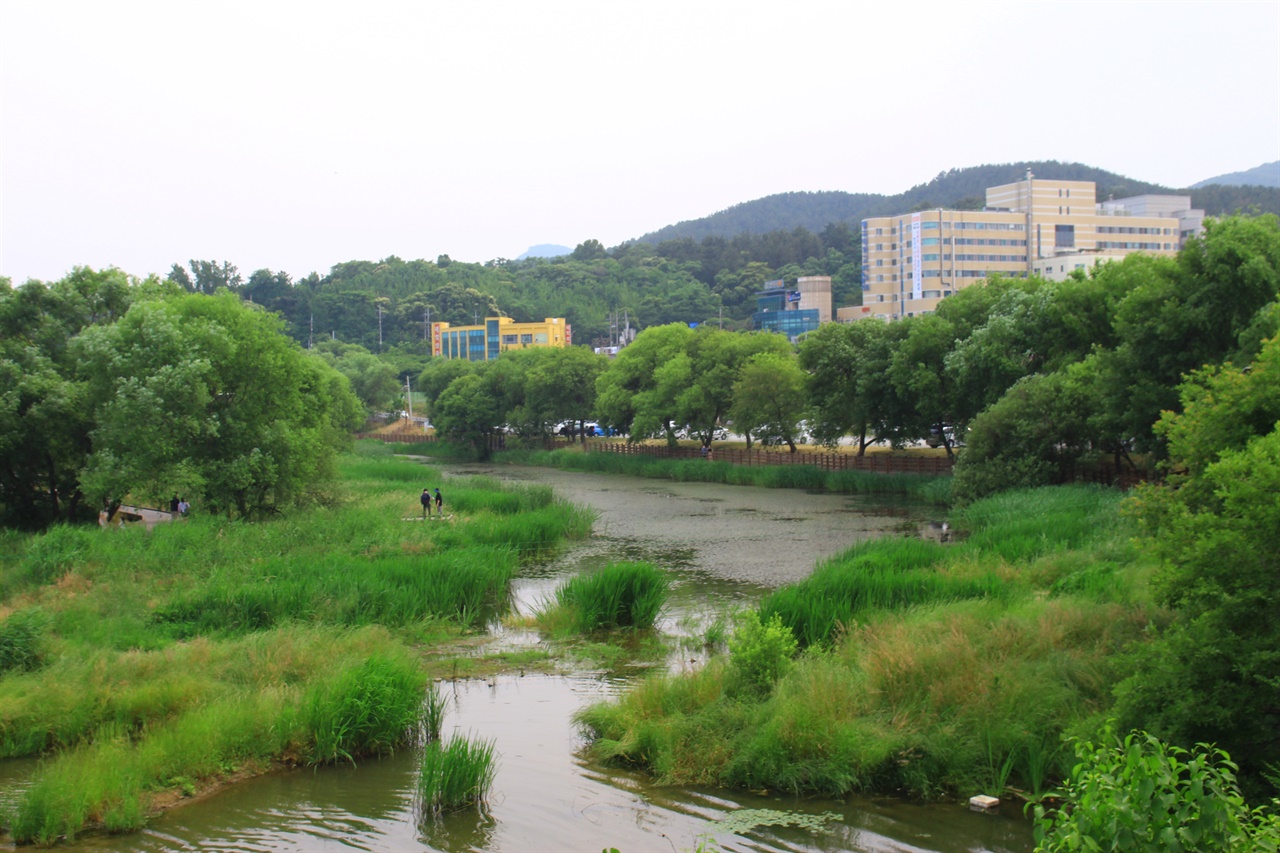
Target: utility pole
{"x":408,"y":394}
{"x":379,"y":327}
{"x":311,"y":332}
{"x":426,"y":321}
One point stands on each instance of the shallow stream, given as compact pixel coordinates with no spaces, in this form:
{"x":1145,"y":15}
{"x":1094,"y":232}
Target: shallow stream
{"x":724,"y":547}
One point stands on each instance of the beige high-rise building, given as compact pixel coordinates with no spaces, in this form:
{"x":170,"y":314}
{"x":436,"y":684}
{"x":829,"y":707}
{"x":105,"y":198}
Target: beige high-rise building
{"x":912,"y":261}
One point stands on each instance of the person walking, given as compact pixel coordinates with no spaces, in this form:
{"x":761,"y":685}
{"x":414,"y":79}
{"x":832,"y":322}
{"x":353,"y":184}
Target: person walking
{"x":439,"y":503}
{"x":426,"y":503}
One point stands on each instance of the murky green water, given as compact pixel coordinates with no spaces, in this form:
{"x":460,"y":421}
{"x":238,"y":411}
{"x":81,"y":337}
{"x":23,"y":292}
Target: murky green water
{"x":725,"y":546}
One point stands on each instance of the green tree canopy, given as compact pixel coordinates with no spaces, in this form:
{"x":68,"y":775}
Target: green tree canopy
{"x":1215,"y":525}
{"x":769,"y":397}
{"x":637,"y":393}
{"x":207,"y":396}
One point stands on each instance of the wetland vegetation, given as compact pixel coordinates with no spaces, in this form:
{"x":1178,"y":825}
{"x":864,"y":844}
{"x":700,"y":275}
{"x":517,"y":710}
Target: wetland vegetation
{"x":161,"y":663}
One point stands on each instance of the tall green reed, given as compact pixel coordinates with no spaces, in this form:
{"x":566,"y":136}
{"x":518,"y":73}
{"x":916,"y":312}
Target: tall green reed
{"x":618,"y":595}
{"x":455,"y":776}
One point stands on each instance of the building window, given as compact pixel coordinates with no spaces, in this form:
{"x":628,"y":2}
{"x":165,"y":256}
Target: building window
{"x":1064,"y":236}
{"x":526,"y":339}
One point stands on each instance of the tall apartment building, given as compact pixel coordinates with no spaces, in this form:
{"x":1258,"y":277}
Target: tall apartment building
{"x":912,"y":261}
{"x":496,"y":336}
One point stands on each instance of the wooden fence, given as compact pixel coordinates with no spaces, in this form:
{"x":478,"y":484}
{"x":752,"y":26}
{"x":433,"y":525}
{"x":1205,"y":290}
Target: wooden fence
{"x":1104,"y":473}
{"x":396,"y":437}
{"x":879,"y":463}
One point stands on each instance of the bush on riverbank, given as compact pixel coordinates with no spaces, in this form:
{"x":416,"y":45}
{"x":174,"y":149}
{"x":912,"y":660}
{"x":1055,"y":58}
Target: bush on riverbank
{"x":931,"y":489}
{"x":942,"y":670}
{"x":180,"y":656}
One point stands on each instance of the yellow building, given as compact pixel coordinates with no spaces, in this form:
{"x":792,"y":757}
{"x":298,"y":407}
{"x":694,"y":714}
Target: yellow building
{"x":496,"y":336}
{"x":912,"y":261}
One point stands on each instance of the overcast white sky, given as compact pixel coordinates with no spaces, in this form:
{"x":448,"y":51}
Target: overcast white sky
{"x":296,"y":135}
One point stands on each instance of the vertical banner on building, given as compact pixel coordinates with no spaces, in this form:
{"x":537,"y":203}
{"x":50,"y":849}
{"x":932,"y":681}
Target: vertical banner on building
{"x":435,"y":339}
{"x":916,"y":273}
{"x":568,"y":335}
{"x":866,"y":277}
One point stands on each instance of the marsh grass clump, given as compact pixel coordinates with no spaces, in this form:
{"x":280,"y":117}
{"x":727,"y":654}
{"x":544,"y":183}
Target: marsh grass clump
{"x":455,"y":776}
{"x":619,"y":595}
{"x":433,"y":709}
{"x":23,"y":640}
{"x":369,"y":709}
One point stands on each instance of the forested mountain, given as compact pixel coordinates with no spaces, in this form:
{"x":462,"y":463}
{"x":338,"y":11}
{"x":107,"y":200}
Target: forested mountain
{"x":963,"y":189}
{"x":695,"y":272}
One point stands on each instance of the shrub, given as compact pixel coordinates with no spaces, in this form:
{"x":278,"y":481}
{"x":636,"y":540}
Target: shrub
{"x":1138,"y":794}
{"x":760,"y":652}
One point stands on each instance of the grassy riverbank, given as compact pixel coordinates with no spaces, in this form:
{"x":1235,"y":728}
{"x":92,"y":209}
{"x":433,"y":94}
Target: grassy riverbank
{"x":931,"y":489}
{"x":930,"y":670}
{"x":150,"y":666}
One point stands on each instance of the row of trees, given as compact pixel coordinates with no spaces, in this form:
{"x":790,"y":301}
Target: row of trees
{"x":387,"y":305}
{"x":112,"y":387}
{"x":1034,"y":374}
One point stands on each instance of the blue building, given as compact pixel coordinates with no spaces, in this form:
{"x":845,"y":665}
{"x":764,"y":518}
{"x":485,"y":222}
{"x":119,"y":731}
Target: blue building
{"x":793,"y":312}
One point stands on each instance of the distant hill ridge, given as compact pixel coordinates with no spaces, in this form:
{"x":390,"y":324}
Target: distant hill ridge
{"x":1266,"y":175}
{"x":545,"y":250}
{"x":957,"y":188}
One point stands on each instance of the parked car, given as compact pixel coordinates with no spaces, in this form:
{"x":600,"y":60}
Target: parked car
{"x":943,"y":433}
{"x":719,"y":433}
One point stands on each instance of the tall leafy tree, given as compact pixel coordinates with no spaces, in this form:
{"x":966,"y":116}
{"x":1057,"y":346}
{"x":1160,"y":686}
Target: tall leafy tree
{"x":561,"y":385}
{"x":468,"y":411}
{"x":706,"y":378}
{"x":848,"y":383}
{"x":637,"y":394}
{"x":206,"y":395}
{"x":373,"y":380}
{"x":769,"y":397}
{"x":44,"y":413}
